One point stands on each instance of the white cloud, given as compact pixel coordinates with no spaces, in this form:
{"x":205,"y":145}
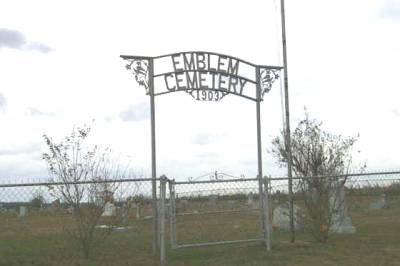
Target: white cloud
{"x":137,"y":112}
{"x":343,"y":59}
{"x":3,"y":102}
{"x":16,"y":40}
{"x":391,"y":9}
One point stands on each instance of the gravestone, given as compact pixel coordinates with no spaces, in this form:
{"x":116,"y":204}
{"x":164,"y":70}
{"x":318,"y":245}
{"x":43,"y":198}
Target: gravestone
{"x":341,"y":221}
{"x":212,"y":202}
{"x":381,"y":204}
{"x":281,"y":218}
{"x":138,"y":209}
{"x":124,"y":214}
{"x":250,"y":201}
{"x":23,"y":211}
{"x":69,"y":210}
{"x":109,"y":210}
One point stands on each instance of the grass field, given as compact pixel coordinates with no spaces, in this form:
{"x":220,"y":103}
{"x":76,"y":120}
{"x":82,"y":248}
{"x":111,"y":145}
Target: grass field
{"x":39,"y":240}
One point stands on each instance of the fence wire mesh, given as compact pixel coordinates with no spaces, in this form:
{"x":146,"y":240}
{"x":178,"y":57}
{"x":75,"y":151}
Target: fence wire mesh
{"x":39,"y":220}
{"x":217,"y":211}
{"x":361,"y":195}
{"x":196,"y":213}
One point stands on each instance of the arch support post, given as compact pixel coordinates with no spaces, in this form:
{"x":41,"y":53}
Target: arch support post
{"x":156,"y":236}
{"x":263,"y":197}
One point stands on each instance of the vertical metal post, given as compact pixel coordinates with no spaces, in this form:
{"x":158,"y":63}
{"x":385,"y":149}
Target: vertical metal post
{"x":153,"y":156}
{"x":159,"y":214}
{"x":163,"y":186}
{"x":259,"y":155}
{"x":287,"y":119}
{"x":267,"y":214}
{"x":172,"y":213}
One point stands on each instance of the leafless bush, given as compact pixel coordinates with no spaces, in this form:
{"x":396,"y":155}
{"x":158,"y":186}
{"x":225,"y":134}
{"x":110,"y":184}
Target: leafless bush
{"x":84,"y":182}
{"x":317,"y":157}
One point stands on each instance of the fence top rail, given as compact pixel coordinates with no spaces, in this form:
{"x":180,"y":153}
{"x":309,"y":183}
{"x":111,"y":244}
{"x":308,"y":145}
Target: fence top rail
{"x":339,"y":175}
{"x":78,"y":182}
{"x":215,"y":181}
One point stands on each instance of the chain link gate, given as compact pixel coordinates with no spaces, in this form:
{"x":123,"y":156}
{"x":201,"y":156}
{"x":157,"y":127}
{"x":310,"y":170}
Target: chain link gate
{"x":201,"y":211}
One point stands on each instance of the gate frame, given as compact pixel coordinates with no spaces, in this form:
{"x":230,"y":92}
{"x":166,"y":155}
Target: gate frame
{"x":142,"y":68}
{"x":264,"y":214}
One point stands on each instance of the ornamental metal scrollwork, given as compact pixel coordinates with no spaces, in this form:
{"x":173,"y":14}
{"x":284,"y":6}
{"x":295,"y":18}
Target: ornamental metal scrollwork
{"x":205,"y":76}
{"x":140,"y":69}
{"x":267,"y":78}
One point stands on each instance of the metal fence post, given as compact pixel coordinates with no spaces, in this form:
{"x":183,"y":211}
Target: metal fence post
{"x":259,"y":153}
{"x":153,"y":158}
{"x":162,"y":218}
{"x":262,"y":207}
{"x":158,"y":213}
{"x":267,"y":214}
{"x":172,"y":213}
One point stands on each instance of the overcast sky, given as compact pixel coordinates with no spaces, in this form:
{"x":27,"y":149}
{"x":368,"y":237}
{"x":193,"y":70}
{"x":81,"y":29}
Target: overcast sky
{"x":60,"y":67}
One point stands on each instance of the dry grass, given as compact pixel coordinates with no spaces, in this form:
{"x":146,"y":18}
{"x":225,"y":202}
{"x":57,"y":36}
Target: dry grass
{"x":39,"y":240}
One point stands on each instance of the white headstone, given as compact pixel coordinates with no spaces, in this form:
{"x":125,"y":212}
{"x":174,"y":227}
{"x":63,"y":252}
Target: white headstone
{"x":341,"y":221}
{"x":138,"y":211}
{"x":250,"y":201}
{"x":381,"y":204}
{"x":109,"y":210}
{"x":281,"y":217}
{"x":212,"y":199}
{"x":125,"y":214}
{"x":23,"y":211}
{"x":212,"y":202}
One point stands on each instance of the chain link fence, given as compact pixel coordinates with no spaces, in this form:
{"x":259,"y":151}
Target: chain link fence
{"x":34,"y":219}
{"x":360,"y":194}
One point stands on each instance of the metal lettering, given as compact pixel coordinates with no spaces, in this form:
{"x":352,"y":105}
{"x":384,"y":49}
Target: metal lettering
{"x":242,"y":83}
{"x":178,"y":81}
{"x":222,"y":81}
{"x":204,"y":95}
{"x":209,"y":63}
{"x":167,"y":83}
{"x":201,"y":65}
{"x":213,"y":78}
{"x":192,"y":82}
{"x":202,"y":79}
{"x":175,"y":63}
{"x":205,"y":76}
{"x":189,"y":63}
{"x":221,"y":63}
{"x":210,"y":95}
{"x":233,"y":82}
{"x":216,"y":96}
{"x":233,"y":69}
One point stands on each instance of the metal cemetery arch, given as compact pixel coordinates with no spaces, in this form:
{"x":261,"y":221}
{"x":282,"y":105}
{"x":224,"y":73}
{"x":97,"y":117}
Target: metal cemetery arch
{"x":205,"y":76}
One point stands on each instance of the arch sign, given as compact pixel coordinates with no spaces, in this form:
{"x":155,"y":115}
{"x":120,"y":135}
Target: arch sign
{"x":203,"y":75}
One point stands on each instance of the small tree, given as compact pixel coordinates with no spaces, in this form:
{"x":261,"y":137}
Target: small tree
{"x":317,"y":157}
{"x":86,"y":175}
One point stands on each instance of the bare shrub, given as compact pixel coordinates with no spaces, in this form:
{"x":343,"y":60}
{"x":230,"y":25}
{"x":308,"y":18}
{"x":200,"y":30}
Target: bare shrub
{"x":83,"y":178}
{"x":319,"y":157}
